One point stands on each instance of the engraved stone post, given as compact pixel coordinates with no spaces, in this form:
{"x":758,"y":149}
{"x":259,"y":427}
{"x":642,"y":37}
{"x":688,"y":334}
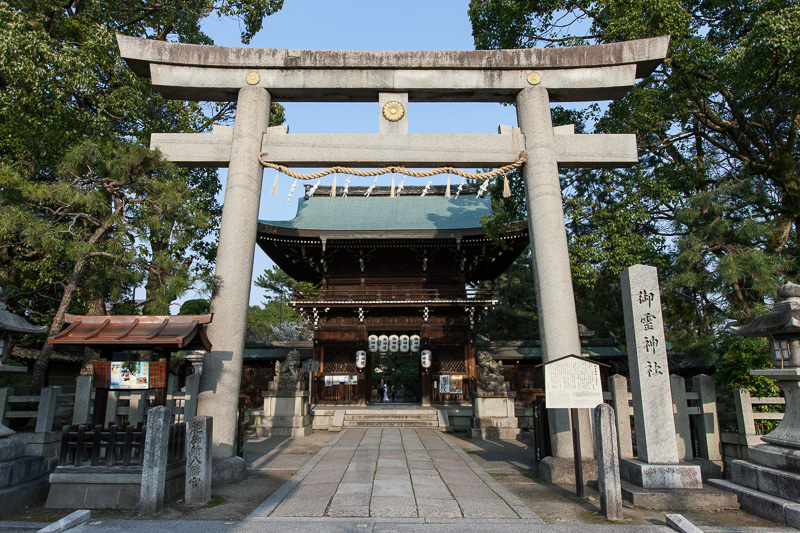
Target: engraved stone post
{"x":198,"y":460}
{"x":154,"y":461}
{"x":654,"y":421}
{"x":647,"y":358}
{"x":605,"y":450}
{"x":222,"y":368}
{"x":555,"y":301}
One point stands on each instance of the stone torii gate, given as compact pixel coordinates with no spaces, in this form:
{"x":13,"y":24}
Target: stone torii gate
{"x":253,"y":78}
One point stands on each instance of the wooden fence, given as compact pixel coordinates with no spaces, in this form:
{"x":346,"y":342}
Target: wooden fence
{"x":94,"y":445}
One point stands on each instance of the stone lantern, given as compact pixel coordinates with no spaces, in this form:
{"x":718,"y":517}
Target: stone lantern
{"x":782,"y":328}
{"x":768,"y":482}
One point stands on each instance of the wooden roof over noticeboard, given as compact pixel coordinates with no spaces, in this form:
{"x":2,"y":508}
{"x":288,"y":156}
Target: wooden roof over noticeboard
{"x":169,"y":332}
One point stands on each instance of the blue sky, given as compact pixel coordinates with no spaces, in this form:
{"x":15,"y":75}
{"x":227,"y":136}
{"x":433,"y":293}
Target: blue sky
{"x":360,"y":25}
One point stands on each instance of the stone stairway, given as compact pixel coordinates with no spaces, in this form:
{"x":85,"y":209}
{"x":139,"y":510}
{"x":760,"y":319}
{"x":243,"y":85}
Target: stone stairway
{"x":391,"y":418}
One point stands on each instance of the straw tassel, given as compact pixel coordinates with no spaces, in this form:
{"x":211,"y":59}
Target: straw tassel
{"x":447,"y":190}
{"x":333,"y":187}
{"x":506,"y":187}
{"x":391,"y":193}
{"x":275,"y":183}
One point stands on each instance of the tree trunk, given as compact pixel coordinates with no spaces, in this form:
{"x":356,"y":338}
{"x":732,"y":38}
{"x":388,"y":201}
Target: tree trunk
{"x":90,"y":355}
{"x":40,"y":367}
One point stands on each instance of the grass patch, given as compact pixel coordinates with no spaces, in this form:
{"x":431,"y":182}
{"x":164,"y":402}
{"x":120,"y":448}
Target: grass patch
{"x":214,"y":502}
{"x":532,"y":476}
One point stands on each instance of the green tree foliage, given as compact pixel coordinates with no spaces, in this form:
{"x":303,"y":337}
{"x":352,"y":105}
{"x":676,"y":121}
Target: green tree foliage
{"x":275,"y":320}
{"x":402,"y":371}
{"x":73,"y":120}
{"x":515,"y":315}
{"x":198,"y":306}
{"x":715,"y":200}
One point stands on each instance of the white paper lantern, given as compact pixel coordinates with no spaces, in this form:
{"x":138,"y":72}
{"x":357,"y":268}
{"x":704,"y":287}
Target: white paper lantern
{"x":373,"y":343}
{"x":404,"y":343}
{"x":414,"y":340}
{"x":394,"y":343}
{"x":361,"y":359}
{"x":426,"y":359}
{"x":383,"y":343}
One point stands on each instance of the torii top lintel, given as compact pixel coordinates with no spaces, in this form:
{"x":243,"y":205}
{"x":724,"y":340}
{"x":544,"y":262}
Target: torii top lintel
{"x":216,"y":73}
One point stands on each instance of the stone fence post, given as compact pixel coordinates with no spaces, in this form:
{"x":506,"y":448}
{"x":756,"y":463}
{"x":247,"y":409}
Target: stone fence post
{"x":744,"y":416}
{"x":618,"y":385}
{"x":5,"y":392}
{"x":48,"y":403}
{"x":680,"y":410}
{"x":154,"y":462}
{"x":111,"y":408}
{"x":192,"y":389}
{"x":138,"y":404}
{"x":82,"y":412}
{"x":708,"y":425}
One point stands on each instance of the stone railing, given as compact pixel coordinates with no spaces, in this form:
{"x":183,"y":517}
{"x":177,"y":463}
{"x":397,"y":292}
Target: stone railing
{"x":51,"y":405}
{"x":132,"y":406}
{"x":129,"y":406}
{"x":696,"y":420}
{"x":740,"y":430}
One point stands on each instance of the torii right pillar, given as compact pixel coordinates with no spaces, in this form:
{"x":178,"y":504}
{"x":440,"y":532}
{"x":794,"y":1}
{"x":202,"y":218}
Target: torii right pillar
{"x":555,"y":301}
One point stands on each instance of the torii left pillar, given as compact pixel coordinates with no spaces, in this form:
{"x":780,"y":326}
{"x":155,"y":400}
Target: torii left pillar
{"x":222,"y":368}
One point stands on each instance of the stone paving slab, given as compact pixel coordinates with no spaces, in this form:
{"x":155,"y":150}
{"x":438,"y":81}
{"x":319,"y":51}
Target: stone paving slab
{"x":394,"y":473}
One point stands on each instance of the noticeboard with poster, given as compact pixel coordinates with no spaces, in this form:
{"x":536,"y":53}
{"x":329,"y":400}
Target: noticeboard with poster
{"x":330,"y":381}
{"x":451,"y":384}
{"x":444,"y":384}
{"x":130,"y":375}
{"x":456,"y":384}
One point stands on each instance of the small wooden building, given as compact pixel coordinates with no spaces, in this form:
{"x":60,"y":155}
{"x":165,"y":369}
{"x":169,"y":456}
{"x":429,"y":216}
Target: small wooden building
{"x":391,"y":266}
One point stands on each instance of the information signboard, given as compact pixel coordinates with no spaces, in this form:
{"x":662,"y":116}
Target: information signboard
{"x":444,"y":384}
{"x":572,"y":383}
{"x":130,"y":375}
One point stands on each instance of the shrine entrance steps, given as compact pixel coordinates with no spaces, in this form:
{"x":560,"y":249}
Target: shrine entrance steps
{"x":387,"y":417}
{"x":382,"y":416}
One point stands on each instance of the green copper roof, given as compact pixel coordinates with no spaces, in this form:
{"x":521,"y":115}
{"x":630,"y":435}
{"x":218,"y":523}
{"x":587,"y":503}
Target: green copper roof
{"x":381,"y":213}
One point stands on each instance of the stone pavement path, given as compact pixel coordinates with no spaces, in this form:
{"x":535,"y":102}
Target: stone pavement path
{"x":393,"y":473}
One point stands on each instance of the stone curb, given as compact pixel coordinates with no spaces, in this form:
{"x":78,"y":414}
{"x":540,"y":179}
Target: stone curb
{"x":277,"y":497}
{"x":512,"y":501}
{"x":681,"y":524}
{"x":68,"y":522}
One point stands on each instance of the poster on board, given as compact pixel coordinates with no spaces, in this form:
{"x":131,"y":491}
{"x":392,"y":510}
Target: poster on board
{"x":444,"y":384}
{"x":130,"y":375}
{"x":351,"y":379}
{"x":456,"y":384}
